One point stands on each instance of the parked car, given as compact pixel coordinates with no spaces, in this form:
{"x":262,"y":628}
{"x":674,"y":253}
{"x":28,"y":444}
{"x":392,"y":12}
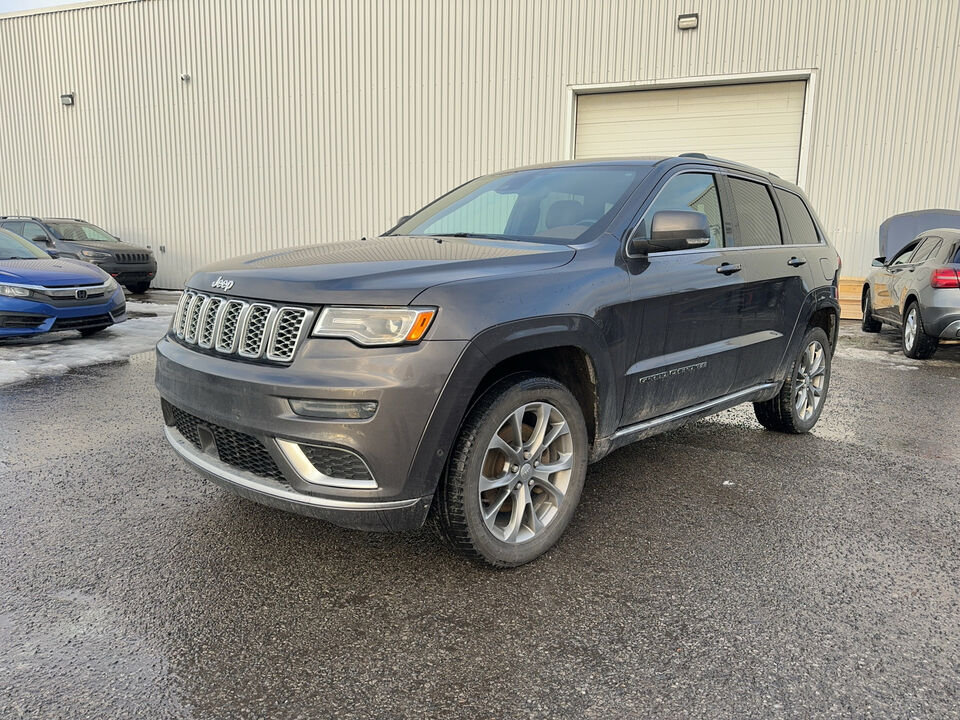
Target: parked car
{"x":132,"y":266}
{"x":917,"y":291}
{"x":40,"y":294}
{"x":478,"y":355}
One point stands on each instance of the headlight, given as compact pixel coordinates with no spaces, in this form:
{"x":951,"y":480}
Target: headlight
{"x":14,"y":291}
{"x":91,"y":255}
{"x":110,"y":285}
{"x":375,"y":325}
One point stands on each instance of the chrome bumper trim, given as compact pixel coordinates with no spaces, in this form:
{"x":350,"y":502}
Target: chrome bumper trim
{"x":951,"y":331}
{"x":307,"y":472}
{"x":229,"y":475}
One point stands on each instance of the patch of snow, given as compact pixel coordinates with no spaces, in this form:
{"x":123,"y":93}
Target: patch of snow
{"x":23,"y":359}
{"x":148,"y":307}
{"x":728,"y":483}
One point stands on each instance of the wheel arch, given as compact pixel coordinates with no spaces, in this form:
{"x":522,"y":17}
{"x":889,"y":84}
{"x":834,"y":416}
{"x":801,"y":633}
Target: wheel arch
{"x":564,"y":347}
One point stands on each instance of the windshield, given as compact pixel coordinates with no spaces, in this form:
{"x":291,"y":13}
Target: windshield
{"x":559,"y":204}
{"x":14,"y":247}
{"x":79,"y":231}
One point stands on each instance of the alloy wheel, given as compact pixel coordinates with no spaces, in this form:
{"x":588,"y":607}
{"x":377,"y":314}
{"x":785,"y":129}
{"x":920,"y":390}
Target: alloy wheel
{"x":910,"y":328}
{"x":810,"y":380}
{"x":526,"y":472}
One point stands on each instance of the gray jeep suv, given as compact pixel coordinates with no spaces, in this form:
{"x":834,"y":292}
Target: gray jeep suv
{"x":470,"y":362}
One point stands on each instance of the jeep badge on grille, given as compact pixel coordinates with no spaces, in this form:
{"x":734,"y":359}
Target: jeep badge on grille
{"x":221,"y":283}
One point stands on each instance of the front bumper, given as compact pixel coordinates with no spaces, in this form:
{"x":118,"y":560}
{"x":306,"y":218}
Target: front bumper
{"x":130,"y":272}
{"x":252,"y":400}
{"x":22,"y":317}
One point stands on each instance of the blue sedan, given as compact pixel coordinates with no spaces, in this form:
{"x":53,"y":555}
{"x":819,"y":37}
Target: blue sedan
{"x":41,"y":294}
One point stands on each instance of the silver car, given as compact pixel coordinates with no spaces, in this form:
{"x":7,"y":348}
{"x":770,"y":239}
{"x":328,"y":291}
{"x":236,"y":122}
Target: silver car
{"x":918,"y":291}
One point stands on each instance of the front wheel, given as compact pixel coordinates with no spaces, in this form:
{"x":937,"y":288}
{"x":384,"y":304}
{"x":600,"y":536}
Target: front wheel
{"x":798,"y":406}
{"x":516,"y":472}
{"x":869,"y":323}
{"x":916,"y":343}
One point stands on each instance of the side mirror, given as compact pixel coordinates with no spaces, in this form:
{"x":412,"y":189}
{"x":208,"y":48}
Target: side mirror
{"x":879,"y":262}
{"x":672,"y":230}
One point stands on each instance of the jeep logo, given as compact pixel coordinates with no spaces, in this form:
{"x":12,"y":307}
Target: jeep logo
{"x":222,"y":284}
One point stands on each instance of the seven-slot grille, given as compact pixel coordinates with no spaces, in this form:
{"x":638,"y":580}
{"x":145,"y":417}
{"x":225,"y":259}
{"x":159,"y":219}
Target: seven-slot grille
{"x":252,"y":330}
{"x":129,"y":258}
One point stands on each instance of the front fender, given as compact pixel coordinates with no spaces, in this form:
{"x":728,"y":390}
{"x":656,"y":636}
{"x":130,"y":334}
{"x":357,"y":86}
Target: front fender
{"x":483,"y":354}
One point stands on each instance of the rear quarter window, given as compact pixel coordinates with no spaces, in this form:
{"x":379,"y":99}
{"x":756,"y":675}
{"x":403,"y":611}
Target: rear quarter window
{"x":797,"y":217}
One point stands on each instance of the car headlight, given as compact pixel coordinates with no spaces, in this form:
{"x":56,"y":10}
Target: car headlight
{"x":92,"y":255}
{"x":375,"y":325}
{"x":110,"y":285}
{"x":14,"y":291}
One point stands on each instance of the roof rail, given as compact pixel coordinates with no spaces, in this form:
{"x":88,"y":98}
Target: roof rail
{"x":20,"y":217}
{"x":694,"y":155}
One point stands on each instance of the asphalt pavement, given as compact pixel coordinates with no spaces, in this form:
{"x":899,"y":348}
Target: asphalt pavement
{"x":716,"y":571}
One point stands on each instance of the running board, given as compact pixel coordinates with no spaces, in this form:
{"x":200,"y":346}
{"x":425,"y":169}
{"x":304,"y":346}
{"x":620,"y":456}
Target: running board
{"x":640,"y":430}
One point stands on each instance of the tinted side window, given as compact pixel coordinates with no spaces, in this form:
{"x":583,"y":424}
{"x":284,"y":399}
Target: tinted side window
{"x":756,"y":215}
{"x":14,"y":227}
{"x":32,"y":231}
{"x":799,"y":223}
{"x":927,"y":249}
{"x":689,"y":191}
{"x":903,"y":257}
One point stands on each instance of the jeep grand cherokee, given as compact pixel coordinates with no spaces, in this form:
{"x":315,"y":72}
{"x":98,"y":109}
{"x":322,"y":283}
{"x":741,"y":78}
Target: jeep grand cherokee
{"x":473,"y":360}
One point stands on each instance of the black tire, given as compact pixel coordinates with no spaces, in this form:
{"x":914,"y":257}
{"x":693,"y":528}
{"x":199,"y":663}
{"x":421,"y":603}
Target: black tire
{"x":87,"y":332}
{"x":459,"y":505}
{"x":138,"y":288}
{"x":781,"y":413}
{"x":923,"y":346}
{"x":869,"y":323}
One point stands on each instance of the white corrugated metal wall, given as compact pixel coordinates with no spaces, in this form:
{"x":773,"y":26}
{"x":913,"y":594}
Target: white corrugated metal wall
{"x":310,"y":121}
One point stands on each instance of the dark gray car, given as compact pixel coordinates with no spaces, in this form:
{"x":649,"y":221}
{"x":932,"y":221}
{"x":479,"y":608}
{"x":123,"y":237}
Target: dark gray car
{"x":475,"y":358}
{"x":132,"y":266}
{"x":917,"y":291}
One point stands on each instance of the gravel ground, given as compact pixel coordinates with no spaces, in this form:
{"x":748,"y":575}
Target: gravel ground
{"x":716,"y":571}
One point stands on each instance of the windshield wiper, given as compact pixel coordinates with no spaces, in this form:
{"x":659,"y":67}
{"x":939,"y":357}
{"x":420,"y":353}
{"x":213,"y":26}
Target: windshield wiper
{"x":489,"y":236}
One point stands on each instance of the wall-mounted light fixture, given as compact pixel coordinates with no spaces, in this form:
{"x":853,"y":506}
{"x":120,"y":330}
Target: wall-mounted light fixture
{"x":688,"y":21}
{"x":66,"y":99}
{"x":185,"y":77}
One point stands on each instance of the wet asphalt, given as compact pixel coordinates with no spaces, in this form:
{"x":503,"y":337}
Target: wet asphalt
{"x":716,"y":571}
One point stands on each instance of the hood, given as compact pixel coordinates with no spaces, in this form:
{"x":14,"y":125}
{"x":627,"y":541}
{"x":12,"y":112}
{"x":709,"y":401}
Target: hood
{"x":110,"y":247}
{"x":50,"y":272}
{"x":385,"y":270}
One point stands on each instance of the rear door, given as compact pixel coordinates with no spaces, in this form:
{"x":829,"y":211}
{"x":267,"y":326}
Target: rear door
{"x":683,"y":311}
{"x":776,"y":273}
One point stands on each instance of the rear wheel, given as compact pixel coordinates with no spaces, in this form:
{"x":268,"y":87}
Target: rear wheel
{"x":138,"y":288}
{"x":869,"y":323}
{"x":798,"y":406}
{"x":916,"y":343}
{"x":516,"y":472}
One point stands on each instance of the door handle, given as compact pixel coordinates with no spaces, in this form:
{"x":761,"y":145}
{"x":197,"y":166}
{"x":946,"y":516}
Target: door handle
{"x":729,"y":268}
{"x":796,"y":261}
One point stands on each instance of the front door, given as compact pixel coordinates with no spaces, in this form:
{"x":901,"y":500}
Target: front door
{"x":685,"y":307}
{"x":886,"y":294}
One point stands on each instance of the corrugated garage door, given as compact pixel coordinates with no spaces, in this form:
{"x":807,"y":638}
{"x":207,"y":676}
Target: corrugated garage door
{"x":758,"y":124}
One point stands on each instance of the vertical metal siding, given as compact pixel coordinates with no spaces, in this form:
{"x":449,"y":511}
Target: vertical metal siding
{"x":310,"y":122}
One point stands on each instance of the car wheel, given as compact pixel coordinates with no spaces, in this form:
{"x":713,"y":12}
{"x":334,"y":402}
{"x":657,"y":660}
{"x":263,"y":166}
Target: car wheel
{"x":516,"y":472}
{"x":138,"y":288}
{"x":916,"y":343}
{"x":87,"y":332}
{"x":797,"y":407}
{"x":869,"y":323}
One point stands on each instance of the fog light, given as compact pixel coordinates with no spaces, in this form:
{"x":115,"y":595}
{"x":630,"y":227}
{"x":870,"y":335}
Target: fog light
{"x":335,"y":409}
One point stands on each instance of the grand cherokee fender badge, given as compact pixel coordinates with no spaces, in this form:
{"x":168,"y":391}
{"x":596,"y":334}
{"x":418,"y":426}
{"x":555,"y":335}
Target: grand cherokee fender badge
{"x":674,"y":372}
{"x":221,"y":283}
